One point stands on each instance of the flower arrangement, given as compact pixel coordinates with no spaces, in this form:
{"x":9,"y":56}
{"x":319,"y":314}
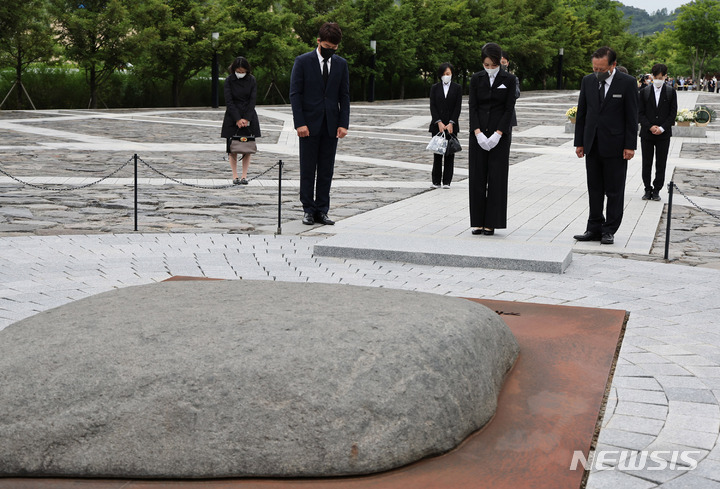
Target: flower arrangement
{"x":685,"y":115}
{"x":571,"y":112}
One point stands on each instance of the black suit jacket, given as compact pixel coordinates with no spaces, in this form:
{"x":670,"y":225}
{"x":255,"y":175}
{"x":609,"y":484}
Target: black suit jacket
{"x":613,"y":126}
{"x":491,"y":108}
{"x":445,"y":109}
{"x":312,"y":101}
{"x":652,"y":114}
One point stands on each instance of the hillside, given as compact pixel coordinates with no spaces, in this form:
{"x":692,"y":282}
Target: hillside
{"x":644,"y":23}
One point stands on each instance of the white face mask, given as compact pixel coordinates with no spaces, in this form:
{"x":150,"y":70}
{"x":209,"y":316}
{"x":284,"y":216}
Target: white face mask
{"x":658,"y":83}
{"x":446,"y":78}
{"x":240,"y":75}
{"x":493,"y":71}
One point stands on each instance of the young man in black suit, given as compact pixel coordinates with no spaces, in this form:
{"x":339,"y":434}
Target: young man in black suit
{"x":320,"y":100}
{"x":606,"y":135}
{"x":657,"y":108}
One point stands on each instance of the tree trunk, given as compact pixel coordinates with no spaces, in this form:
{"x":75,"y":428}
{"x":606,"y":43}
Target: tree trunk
{"x":402,"y":88}
{"x":93,"y":88}
{"x":18,"y":80}
{"x":176,"y":91}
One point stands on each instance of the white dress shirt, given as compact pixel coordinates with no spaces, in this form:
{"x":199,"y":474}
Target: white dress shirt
{"x":322,"y":60}
{"x":608,"y":82}
{"x":658,"y":91}
{"x":446,"y":88}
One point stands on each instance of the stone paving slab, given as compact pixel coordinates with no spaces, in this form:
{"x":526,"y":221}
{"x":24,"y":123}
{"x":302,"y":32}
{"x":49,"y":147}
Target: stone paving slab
{"x":444,"y":251}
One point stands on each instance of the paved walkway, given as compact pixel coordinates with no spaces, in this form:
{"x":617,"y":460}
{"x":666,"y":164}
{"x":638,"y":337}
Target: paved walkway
{"x":665,"y":394}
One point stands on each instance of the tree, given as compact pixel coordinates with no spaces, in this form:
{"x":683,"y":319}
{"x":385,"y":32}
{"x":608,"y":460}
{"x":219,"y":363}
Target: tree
{"x":176,"y":39}
{"x":26,"y":37}
{"x":97,"y":34}
{"x":267,"y":40}
{"x":698,"y":28}
{"x":612,"y":28}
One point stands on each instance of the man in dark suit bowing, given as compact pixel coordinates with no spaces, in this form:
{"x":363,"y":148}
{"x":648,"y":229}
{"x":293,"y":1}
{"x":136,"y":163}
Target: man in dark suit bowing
{"x":606,"y":135}
{"x":320,"y":100}
{"x":657,"y":108}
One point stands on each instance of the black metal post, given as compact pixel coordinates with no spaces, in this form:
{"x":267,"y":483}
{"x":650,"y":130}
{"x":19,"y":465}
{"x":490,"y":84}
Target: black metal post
{"x":215,"y":99}
{"x":279,"y":226}
{"x":559,"y":73}
{"x":135,"y":157}
{"x":371,"y":95}
{"x":669,"y":218}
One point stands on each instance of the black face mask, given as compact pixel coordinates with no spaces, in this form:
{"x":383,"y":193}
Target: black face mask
{"x":602,"y":75}
{"x":327,"y":53}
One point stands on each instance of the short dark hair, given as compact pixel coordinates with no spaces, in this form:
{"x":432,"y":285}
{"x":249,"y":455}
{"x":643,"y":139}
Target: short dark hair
{"x":659,"y":69}
{"x":492,"y":51}
{"x":622,"y":69}
{"x":330,"y":32}
{"x":239,"y":62}
{"x":605,"y":52}
{"x":443,"y":67}
{"x":505,"y":55}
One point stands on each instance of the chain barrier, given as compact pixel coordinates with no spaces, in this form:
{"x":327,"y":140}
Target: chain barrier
{"x":203,"y":186}
{"x":716,"y":216}
{"x":63,"y":189}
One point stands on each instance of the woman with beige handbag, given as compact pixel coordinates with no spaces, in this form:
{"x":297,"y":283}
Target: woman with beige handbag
{"x":240,"y":125}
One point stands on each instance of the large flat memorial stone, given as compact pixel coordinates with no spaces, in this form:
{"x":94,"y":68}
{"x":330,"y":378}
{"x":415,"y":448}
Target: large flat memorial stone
{"x":208,"y":379}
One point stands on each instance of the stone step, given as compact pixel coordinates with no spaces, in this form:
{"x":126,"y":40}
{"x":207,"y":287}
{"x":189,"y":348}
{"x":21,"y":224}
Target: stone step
{"x":479,"y":252}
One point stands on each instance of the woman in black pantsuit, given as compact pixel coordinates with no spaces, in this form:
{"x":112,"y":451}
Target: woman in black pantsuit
{"x":240,"y":115}
{"x":445,"y":103}
{"x":492,"y":100}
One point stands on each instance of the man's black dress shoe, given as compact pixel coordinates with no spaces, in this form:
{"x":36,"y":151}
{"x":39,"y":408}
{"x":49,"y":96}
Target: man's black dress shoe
{"x":607,"y":238}
{"x":477,"y":231}
{"x":324,"y":219}
{"x":647,"y":195}
{"x":587,"y":236}
{"x":656,"y":196}
{"x":308,"y":219}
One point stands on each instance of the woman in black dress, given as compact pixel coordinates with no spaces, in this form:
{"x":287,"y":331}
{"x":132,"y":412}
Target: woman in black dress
{"x":445,"y":102}
{"x":492,"y":101}
{"x":240,"y":116}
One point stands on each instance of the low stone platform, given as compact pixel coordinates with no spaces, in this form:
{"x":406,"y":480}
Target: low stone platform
{"x":446,"y":251}
{"x":211,"y":379}
{"x":689,"y":131}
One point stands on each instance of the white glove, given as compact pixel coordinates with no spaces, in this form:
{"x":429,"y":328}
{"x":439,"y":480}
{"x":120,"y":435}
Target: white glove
{"x":482,"y":141}
{"x":493,"y":140}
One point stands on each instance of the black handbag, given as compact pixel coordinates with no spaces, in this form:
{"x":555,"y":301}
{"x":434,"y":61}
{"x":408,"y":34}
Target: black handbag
{"x":243,"y":143}
{"x":453,"y":145}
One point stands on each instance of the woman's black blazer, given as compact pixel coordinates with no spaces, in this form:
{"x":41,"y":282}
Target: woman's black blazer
{"x":491,"y":108}
{"x":240,"y":98}
{"x":444,"y":108}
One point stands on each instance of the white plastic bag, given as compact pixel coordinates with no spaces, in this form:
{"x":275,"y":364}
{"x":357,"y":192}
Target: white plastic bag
{"x":438,"y":144}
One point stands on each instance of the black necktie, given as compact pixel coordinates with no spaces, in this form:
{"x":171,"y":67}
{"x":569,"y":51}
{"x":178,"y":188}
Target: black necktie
{"x":602,"y":92}
{"x":326,"y":73}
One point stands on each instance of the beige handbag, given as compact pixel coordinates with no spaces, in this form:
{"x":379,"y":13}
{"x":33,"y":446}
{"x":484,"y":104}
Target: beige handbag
{"x":243,"y":145}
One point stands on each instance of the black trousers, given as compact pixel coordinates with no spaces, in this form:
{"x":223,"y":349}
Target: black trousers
{"x":488,"y":183}
{"x":605,"y":178}
{"x":317,"y":164}
{"x":438,"y":175}
{"x":660,"y":148}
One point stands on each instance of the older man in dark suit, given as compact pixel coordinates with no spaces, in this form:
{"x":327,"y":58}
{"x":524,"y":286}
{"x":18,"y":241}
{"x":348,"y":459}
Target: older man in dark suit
{"x":606,"y":135}
{"x":657,"y":108}
{"x":320,"y":100}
